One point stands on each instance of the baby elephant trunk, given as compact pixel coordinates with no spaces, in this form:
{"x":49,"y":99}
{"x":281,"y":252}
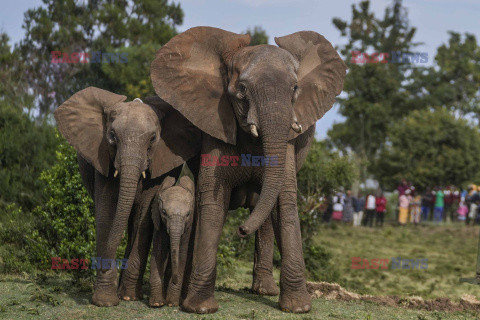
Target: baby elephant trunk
{"x":175,"y":231}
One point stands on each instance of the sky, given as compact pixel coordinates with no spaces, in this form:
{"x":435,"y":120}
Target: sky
{"x":432,"y":18}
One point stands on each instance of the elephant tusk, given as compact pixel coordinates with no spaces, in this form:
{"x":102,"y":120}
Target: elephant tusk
{"x":115,"y":174}
{"x":297,"y":127}
{"x":138,"y":99}
{"x":253,"y":130}
{"x":143,"y":175}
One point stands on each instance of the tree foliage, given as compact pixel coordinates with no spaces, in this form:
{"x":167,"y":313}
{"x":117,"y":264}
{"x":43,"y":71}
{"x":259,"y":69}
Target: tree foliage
{"x":324,"y":171}
{"x":430,"y":148}
{"x":64,"y":225}
{"x":374,"y":99}
{"x":258,"y":35}
{"x":138,"y":27}
{"x":26,"y":149}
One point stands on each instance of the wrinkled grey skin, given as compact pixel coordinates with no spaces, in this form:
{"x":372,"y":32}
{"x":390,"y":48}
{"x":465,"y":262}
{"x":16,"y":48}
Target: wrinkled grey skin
{"x":246,"y":196}
{"x":172,"y":215}
{"x":121,"y":167}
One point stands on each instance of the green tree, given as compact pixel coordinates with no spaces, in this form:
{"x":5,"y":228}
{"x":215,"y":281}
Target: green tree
{"x":258,"y":35}
{"x":454,"y":82}
{"x":430,"y":148}
{"x":324,"y":171}
{"x":92,"y":26}
{"x":374,"y":97}
{"x":26,"y":149}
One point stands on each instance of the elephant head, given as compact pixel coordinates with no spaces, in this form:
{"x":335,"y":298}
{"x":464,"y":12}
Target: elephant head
{"x":173,"y":206}
{"x":220,"y":83}
{"x":125,"y":140}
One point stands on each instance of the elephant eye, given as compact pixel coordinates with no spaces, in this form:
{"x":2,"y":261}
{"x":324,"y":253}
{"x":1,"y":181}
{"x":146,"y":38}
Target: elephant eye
{"x":154,"y":136}
{"x":164,"y":211}
{"x":295,"y":88}
{"x":112,"y":137}
{"x":242,"y":90}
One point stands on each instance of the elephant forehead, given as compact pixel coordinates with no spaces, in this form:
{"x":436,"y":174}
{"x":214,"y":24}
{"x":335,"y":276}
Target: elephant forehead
{"x":134,"y":122}
{"x":177,"y":200}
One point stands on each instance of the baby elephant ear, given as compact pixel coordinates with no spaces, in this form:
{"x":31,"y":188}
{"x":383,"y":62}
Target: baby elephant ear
{"x":320,"y":74}
{"x":189,"y":72}
{"x":187,"y":183}
{"x":81,"y":121}
{"x":168,"y":182}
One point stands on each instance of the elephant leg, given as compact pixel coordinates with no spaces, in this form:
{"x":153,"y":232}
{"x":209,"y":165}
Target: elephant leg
{"x":263,"y":281}
{"x":212,"y":206}
{"x":105,"y":289}
{"x":293,"y":292}
{"x":131,"y":281}
{"x":158,"y":263}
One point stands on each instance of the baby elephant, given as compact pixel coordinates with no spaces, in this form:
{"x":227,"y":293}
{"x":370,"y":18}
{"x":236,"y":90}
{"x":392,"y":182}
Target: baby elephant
{"x":172,"y":216}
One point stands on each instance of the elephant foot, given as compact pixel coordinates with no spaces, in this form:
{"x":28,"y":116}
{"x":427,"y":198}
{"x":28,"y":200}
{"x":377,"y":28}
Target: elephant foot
{"x":105,"y":297}
{"x":296,"y":302}
{"x":193,"y":304}
{"x":130,"y":293}
{"x":265,"y":285}
{"x":156,"y":301}
{"x":173,"y":300}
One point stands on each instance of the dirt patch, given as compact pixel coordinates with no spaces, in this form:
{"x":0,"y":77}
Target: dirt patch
{"x":333,"y":291}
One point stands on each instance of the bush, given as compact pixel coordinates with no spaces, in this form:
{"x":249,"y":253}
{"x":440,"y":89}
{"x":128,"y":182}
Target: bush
{"x":26,"y":149}
{"x":64,"y":226}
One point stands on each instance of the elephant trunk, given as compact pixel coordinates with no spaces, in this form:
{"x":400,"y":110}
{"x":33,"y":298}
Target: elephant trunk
{"x":274,"y":127}
{"x":129,"y":176}
{"x":175,"y":231}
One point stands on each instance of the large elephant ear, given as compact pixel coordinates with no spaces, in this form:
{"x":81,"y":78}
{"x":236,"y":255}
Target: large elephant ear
{"x":81,"y":121}
{"x":189,"y":72}
{"x":179,"y":139}
{"x":320,"y":74}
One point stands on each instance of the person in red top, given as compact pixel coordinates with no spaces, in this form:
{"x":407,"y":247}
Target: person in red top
{"x":380,"y":208}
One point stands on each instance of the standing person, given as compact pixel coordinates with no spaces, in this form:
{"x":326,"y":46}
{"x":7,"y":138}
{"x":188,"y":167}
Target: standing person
{"x":439,"y":205}
{"x":403,"y":187}
{"x":337,"y":208}
{"x":448,"y":204}
{"x":358,"y":215}
{"x":415,"y":203}
{"x":403,"y":204}
{"x":426,"y":200}
{"x":370,"y":207}
{"x":348,"y":208}
{"x":380,"y":208}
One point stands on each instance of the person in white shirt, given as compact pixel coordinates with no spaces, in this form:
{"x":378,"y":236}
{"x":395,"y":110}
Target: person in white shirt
{"x":370,"y":209}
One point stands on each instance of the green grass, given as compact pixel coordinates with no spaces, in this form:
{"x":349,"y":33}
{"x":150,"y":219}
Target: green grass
{"x":450,"y":250}
{"x":56,"y":298}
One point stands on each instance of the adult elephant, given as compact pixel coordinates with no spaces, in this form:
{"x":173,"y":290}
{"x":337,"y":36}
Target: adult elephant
{"x":125,"y":151}
{"x":248,"y":100}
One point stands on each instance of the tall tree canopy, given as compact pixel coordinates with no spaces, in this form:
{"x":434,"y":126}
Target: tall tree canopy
{"x":430,"y":148}
{"x":136,"y":27}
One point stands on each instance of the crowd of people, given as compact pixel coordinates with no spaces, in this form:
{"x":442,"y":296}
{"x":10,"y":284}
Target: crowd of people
{"x":436,"y":204}
{"x":357,"y":211}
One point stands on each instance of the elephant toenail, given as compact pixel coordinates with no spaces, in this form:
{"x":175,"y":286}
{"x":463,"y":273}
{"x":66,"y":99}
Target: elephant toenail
{"x":126,"y":298}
